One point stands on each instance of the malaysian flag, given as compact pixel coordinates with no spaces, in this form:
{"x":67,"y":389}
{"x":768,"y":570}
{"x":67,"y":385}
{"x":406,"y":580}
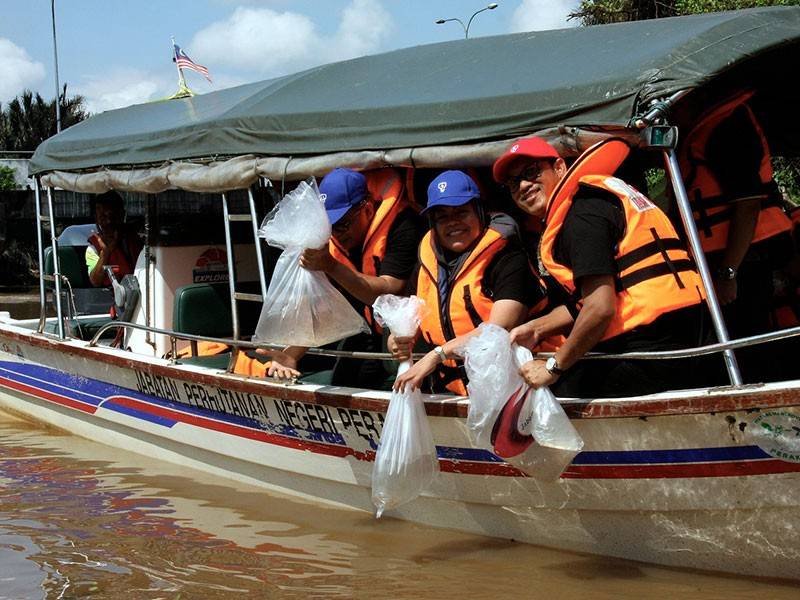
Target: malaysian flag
{"x":184,"y":62}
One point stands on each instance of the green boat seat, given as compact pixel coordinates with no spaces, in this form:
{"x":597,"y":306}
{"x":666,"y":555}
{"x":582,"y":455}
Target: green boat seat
{"x":83,"y":328}
{"x":72,"y":264}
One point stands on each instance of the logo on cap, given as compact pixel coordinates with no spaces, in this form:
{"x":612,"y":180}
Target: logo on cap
{"x":514,"y":148}
{"x":442,"y":186}
{"x":323,"y":197}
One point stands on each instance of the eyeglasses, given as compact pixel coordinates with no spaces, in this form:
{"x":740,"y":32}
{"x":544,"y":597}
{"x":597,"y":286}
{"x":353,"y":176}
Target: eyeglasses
{"x":531,"y":173}
{"x":344,"y":224}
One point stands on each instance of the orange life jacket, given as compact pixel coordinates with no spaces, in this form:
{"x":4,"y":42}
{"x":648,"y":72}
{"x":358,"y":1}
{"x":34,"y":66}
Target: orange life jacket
{"x":122,"y":261}
{"x":205,"y":349}
{"x":655,"y":274}
{"x":713,"y":209}
{"x":386,"y":188}
{"x":467,"y":305}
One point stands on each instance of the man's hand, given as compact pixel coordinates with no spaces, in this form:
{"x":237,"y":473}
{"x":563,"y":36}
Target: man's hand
{"x":401,"y":348}
{"x":726,"y":290}
{"x":534,"y":373}
{"x":282,"y":365}
{"x":317,"y":259}
{"x":109,"y":240}
{"x":526,"y":334}
{"x":414,"y":377}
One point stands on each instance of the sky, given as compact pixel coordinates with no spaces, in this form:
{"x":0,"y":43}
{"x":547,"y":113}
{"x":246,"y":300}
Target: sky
{"x":118,"y":52}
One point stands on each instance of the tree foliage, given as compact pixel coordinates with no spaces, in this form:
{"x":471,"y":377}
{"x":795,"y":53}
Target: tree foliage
{"x":28,"y":119}
{"x":8,"y":180}
{"x":598,"y":12}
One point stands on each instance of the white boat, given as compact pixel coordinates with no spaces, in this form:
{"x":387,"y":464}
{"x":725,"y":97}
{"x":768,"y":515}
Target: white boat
{"x":704,"y":478}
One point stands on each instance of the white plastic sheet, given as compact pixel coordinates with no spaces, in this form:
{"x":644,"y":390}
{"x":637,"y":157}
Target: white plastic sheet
{"x":302,"y":307}
{"x":526,"y":427}
{"x":406,"y":461}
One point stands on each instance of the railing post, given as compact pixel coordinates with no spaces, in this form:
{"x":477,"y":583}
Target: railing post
{"x":685,"y":210}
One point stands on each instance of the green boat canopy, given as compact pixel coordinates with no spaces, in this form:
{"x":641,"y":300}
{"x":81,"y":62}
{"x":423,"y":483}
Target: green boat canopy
{"x":471,"y":94}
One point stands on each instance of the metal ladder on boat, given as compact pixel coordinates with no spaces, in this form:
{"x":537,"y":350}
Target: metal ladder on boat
{"x":236,"y":295}
{"x":41,"y":221}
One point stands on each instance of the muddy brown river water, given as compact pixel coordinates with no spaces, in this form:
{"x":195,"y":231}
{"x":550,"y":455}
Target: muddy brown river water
{"x":82,"y":520}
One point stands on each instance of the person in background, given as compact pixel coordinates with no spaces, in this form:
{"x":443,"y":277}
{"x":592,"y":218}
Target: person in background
{"x":372,"y":251}
{"x":727,"y":169}
{"x":617,"y":255}
{"x":472,"y":269}
{"x":114,"y":244}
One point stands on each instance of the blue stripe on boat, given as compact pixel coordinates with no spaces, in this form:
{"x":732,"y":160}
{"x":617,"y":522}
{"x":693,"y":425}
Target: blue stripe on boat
{"x":641,"y":457}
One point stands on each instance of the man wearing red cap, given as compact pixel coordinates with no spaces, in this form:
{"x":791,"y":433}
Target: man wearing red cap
{"x":616,"y":255}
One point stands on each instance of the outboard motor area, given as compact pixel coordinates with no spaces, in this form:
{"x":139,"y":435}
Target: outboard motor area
{"x":126,"y":295}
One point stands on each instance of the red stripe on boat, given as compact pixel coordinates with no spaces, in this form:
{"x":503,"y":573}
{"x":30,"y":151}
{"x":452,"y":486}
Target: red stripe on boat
{"x":45,"y":395}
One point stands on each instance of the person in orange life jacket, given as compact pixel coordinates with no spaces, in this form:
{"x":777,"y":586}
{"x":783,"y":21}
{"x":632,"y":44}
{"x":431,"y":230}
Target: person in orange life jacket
{"x":726,"y":164}
{"x":113,"y":244}
{"x":372,"y":251}
{"x":471,"y":269}
{"x":618,"y":255}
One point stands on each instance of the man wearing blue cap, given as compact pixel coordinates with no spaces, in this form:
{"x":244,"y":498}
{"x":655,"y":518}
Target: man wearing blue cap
{"x":372,"y":251}
{"x":472,"y":269}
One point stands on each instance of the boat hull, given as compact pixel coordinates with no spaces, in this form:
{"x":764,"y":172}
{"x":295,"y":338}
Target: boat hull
{"x":677,"y":480}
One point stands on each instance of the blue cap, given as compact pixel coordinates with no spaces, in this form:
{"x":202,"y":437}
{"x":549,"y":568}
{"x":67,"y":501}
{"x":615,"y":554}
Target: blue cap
{"x":341,"y":190}
{"x":451,"y":188}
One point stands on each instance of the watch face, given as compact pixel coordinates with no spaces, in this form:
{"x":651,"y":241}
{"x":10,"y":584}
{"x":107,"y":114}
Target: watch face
{"x":550,"y":363}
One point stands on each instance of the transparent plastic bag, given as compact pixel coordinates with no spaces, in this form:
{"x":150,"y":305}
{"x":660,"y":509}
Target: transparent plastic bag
{"x":402,"y":315}
{"x":406,"y":461}
{"x":526,"y":427}
{"x":489,"y":362}
{"x":302,"y":307}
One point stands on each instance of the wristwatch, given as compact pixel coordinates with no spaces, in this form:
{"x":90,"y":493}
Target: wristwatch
{"x":551,"y":366}
{"x":726,"y":273}
{"x":439,"y":351}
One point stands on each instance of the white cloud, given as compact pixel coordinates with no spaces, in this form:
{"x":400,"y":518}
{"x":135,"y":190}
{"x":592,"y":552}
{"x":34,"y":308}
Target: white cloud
{"x":18,"y":70}
{"x":365,"y":24}
{"x":269,"y":42}
{"x":119,"y":88}
{"x":257,"y":39}
{"x":540,"y":15}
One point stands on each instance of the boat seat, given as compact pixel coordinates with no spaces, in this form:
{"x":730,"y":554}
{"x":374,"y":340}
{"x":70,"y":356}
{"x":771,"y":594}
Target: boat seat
{"x":72,"y":263}
{"x":83,"y":328}
{"x":204,"y":309}
{"x":87,"y":299}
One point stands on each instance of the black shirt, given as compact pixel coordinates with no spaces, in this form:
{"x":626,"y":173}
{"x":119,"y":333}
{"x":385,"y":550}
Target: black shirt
{"x":734,"y":152}
{"x":402,"y":242}
{"x":589,"y":236}
{"x":401,"y":247}
{"x":587,"y":244}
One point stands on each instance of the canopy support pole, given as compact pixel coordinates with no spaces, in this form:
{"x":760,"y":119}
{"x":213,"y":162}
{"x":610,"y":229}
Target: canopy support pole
{"x":56,"y":263}
{"x":702,"y":265}
{"x":40,"y":246}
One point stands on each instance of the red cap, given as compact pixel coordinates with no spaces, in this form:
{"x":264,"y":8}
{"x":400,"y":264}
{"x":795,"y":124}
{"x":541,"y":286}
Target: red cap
{"x":532,"y":147}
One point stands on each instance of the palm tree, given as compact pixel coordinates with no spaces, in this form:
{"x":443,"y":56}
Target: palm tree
{"x":28,"y":120}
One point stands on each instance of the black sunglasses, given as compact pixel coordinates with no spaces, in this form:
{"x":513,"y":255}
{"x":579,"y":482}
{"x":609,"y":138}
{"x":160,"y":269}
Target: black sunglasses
{"x":347,"y":221}
{"x":531,"y":173}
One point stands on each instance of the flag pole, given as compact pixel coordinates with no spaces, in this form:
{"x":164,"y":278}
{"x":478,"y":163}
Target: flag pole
{"x":183,"y":89}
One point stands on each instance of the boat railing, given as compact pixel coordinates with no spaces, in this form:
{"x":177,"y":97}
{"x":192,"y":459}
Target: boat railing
{"x":705,"y":350}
